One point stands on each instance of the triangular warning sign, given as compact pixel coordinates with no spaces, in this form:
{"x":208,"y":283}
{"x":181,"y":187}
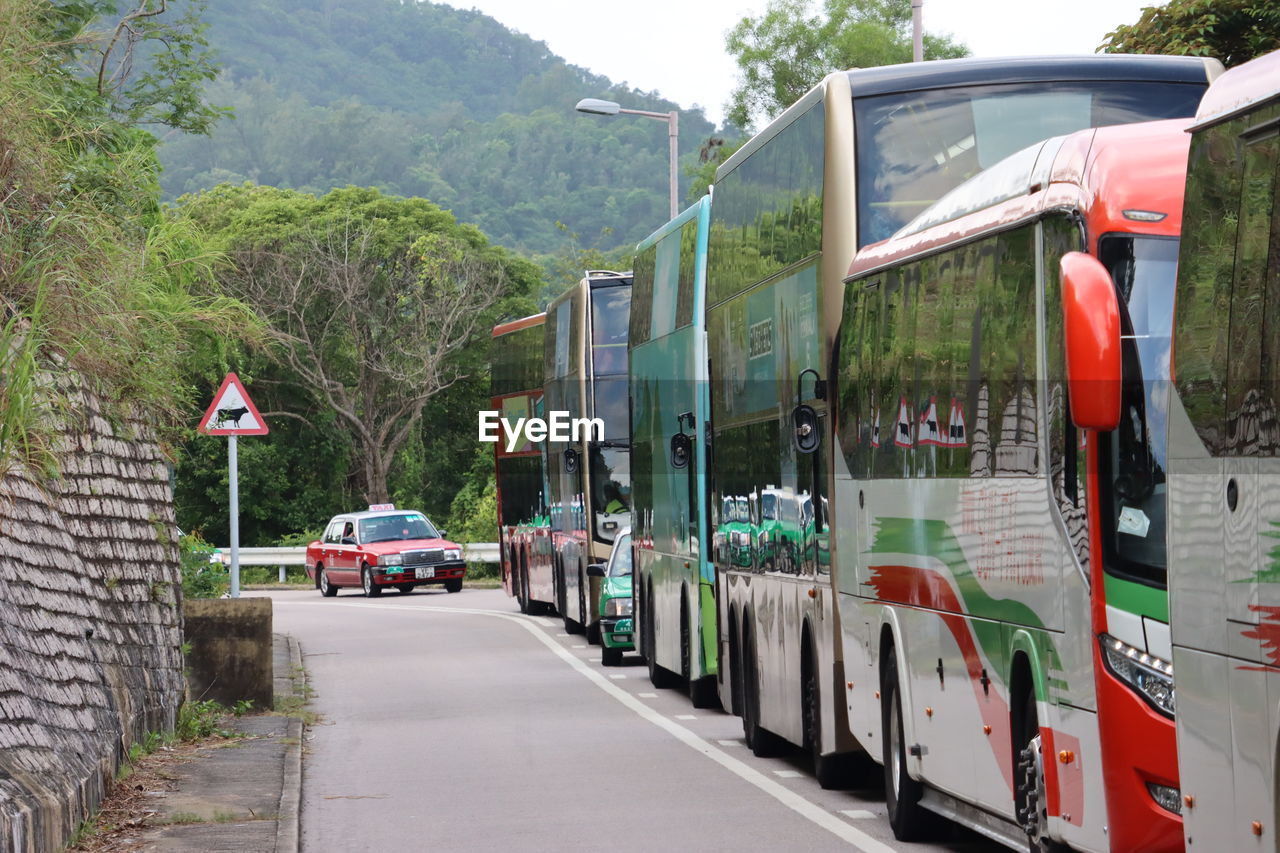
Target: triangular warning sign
{"x":903,"y":438}
{"x":928,"y":432}
{"x":956,"y":436}
{"x":232,"y":412}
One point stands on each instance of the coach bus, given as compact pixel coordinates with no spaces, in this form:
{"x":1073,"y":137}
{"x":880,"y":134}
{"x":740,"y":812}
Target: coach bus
{"x":1005,"y":622}
{"x":1224,"y":468}
{"x":848,"y":164}
{"x":515,"y":379}
{"x":589,"y":475}
{"x":674,"y":577}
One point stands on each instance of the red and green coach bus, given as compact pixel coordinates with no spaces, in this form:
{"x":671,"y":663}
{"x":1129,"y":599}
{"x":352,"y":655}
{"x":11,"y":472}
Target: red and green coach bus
{"x":1224,"y":468}
{"x":1005,"y":616}
{"x":849,"y":164}
{"x":515,"y":379}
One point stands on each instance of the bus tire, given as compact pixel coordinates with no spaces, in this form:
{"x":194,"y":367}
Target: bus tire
{"x":1030,"y":803}
{"x":763,"y":743}
{"x":610,"y":657}
{"x":832,"y":771}
{"x":910,"y":821}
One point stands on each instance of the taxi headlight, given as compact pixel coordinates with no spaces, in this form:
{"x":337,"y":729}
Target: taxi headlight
{"x":1150,"y":676}
{"x":618,"y":607}
{"x":391,"y":560}
{"x":453,"y":553}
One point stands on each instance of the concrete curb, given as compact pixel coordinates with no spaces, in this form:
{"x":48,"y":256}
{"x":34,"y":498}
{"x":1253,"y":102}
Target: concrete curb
{"x":288,"y":817}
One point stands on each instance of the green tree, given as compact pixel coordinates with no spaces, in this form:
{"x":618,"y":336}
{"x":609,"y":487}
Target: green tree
{"x":1233,"y":31}
{"x":94,"y":277}
{"x":372,"y":303}
{"x":791,"y":46}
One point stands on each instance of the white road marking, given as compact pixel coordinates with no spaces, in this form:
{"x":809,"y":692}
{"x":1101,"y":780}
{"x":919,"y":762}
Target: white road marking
{"x":787,"y":774}
{"x":580,"y":646}
{"x":647,"y":695}
{"x":729,"y":742}
{"x":858,"y":814}
{"x":561,"y":634}
{"x":685,"y":717}
{"x":810,"y":811}
{"x":617,"y":676}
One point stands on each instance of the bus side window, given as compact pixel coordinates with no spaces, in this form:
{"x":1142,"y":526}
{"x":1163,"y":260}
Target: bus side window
{"x":1251,"y":408}
{"x":1067,"y":464}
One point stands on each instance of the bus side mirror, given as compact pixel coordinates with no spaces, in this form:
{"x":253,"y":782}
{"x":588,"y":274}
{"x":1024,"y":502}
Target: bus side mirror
{"x":681,"y":450}
{"x":1091,"y":320}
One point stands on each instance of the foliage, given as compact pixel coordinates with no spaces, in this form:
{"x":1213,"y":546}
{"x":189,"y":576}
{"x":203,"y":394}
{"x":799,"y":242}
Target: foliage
{"x":421,"y":99}
{"x":1233,"y":31}
{"x":93,"y":276}
{"x":789,"y":48}
{"x":201,"y":578}
{"x":371,"y":303}
{"x":473,"y":515}
{"x":201,"y":719}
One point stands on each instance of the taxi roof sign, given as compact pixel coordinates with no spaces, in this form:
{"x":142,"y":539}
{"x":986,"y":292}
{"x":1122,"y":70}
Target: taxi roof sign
{"x":232,"y":412}
{"x":381,"y":507}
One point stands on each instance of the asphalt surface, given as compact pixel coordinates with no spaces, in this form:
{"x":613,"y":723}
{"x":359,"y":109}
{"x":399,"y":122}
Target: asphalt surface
{"x":451,"y":722}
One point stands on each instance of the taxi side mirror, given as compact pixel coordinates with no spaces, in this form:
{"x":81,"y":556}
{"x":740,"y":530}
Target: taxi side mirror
{"x":444,"y":534}
{"x":1091,"y":321}
{"x":595,"y":570}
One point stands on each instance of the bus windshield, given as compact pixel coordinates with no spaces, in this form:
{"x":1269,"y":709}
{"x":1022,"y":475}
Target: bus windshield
{"x":1134,"y":456}
{"x":913,"y":147}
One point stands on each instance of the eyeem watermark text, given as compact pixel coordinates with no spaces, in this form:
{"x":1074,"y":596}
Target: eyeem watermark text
{"x":557,"y":426}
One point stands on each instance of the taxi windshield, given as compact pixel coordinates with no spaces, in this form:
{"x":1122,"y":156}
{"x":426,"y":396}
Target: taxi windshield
{"x":389,"y":528}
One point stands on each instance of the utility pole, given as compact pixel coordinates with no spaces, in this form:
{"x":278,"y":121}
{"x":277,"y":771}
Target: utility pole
{"x":917,"y":30}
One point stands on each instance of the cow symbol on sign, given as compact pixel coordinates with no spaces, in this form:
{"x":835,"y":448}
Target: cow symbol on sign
{"x":232,"y":415}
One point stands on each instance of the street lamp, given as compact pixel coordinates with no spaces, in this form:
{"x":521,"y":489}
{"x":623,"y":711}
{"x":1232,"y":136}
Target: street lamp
{"x":595,"y":106}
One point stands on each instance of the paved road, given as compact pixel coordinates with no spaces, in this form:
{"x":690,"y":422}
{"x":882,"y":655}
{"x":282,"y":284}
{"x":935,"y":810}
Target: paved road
{"x":450,"y":722}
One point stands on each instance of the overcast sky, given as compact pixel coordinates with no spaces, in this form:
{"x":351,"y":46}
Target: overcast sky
{"x":676,"y":47}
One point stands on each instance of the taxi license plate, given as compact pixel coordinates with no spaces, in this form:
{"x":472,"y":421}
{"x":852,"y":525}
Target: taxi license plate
{"x":424,"y":573}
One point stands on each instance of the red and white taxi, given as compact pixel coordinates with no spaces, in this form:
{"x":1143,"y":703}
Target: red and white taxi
{"x":384,"y":547}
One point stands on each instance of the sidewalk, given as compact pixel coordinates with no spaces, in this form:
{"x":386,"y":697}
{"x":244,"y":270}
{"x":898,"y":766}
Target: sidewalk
{"x":244,"y":797}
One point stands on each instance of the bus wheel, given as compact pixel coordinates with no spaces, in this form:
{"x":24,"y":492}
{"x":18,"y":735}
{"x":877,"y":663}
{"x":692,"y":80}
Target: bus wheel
{"x":910,"y":821}
{"x":702,"y":691}
{"x":763,"y":743}
{"x":831,"y":771}
{"x":522,"y":588}
{"x":610,"y":657}
{"x":1030,"y":802}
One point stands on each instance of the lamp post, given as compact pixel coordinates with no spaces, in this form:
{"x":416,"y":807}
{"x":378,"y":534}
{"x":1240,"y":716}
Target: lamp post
{"x":595,"y":106}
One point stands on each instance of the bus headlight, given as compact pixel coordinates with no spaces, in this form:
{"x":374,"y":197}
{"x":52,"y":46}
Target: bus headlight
{"x":618,"y":607}
{"x":390,"y":560}
{"x":1150,"y":676}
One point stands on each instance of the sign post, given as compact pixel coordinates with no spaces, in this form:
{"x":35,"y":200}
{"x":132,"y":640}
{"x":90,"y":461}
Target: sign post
{"x":233,"y":414}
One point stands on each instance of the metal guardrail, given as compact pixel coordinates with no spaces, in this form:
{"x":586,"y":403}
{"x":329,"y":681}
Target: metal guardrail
{"x":475,"y":552}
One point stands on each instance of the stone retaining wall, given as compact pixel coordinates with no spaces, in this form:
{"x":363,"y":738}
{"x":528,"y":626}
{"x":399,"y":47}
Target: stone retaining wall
{"x":90,"y":656}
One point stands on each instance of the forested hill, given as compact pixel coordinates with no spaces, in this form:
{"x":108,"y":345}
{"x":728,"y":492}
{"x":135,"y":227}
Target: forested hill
{"x":426,"y":100}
